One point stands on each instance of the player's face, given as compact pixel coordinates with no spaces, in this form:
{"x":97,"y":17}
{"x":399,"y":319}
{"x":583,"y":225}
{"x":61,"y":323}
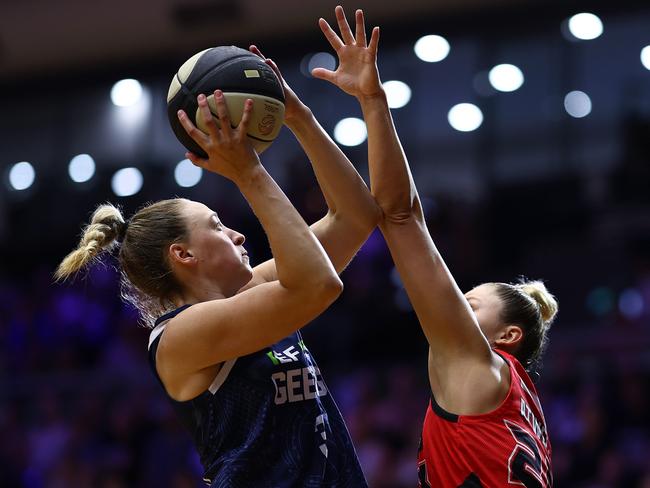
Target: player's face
{"x":218,"y":249}
{"x":487,"y":307}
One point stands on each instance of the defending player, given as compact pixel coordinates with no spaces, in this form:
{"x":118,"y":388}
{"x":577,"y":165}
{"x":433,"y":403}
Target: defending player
{"x":229,"y":354}
{"x":484,"y":426}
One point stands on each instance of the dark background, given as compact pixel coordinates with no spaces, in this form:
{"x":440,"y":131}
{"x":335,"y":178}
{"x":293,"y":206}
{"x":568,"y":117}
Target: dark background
{"x":532,"y":192}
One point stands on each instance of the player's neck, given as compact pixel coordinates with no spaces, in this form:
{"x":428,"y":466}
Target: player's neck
{"x":199,"y":293}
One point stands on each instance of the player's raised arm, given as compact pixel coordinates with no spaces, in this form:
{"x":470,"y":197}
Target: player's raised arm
{"x":218,"y":330}
{"x":444,"y":314}
{"x":352,"y":212}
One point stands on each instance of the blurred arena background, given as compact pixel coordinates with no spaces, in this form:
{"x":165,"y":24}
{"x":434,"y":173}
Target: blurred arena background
{"x":546,"y":174}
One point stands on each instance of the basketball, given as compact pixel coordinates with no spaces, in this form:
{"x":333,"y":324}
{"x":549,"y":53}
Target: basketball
{"x":239,"y":74}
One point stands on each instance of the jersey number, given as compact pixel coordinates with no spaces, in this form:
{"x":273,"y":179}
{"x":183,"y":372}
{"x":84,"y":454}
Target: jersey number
{"x":525,"y":463}
{"x":422,"y":475}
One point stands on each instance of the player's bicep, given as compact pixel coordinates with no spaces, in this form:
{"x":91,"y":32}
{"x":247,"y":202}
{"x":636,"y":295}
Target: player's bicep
{"x":218,"y":330}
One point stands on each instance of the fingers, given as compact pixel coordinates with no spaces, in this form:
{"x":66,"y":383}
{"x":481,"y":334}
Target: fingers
{"x":207,"y":117}
{"x":330,"y":35}
{"x":196,"y":160}
{"x":374,"y":41}
{"x":361,"y":28}
{"x":242,"y":128}
{"x":222,"y":113}
{"x":198,"y":136}
{"x":323,"y":74}
{"x":344,"y":27}
{"x":255,"y":50}
{"x":274,"y":67}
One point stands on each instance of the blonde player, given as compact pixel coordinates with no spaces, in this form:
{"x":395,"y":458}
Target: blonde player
{"x":484,"y":426}
{"x":226,"y":345}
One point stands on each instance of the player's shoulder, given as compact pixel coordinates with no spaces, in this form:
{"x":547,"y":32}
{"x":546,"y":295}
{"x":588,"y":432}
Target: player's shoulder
{"x":161,"y":323}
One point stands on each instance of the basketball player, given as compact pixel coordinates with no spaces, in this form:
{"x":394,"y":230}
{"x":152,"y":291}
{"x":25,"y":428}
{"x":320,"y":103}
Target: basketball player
{"x":484,"y":426}
{"x":229,"y":354}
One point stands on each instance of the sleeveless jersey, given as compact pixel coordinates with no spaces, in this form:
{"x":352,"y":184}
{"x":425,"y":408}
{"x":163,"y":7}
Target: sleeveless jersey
{"x":268,"y":420}
{"x":507,"y":447}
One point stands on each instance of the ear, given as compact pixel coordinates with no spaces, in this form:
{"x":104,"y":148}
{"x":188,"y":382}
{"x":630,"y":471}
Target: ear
{"x":180,"y":254}
{"x":510,"y":336}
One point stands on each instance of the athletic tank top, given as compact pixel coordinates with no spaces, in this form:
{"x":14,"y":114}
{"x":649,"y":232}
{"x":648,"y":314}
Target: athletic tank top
{"x":267,"y":420}
{"x":507,"y":447}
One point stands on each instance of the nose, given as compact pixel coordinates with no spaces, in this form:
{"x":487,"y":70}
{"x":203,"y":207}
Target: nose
{"x":237,"y":238}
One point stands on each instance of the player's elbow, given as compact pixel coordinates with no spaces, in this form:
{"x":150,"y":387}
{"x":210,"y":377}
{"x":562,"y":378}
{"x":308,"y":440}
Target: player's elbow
{"x":332,"y":287}
{"x":326,"y":290}
{"x":400,"y":212}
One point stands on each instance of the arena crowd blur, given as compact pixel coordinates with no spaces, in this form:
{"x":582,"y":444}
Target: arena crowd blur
{"x":527,"y":125}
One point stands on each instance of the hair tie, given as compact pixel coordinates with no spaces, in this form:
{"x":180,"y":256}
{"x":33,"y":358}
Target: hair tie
{"x":121,"y":232}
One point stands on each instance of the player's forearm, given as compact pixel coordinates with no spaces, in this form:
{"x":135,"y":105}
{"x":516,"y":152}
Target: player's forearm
{"x":391,"y":181}
{"x":299,"y":257}
{"x":344,"y":190}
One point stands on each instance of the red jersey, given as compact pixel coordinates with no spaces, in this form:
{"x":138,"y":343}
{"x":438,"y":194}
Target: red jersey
{"x":504,"y":448}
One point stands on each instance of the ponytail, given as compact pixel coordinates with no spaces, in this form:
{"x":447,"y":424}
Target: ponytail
{"x":106,"y":226}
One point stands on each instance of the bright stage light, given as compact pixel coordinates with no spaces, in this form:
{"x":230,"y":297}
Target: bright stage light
{"x":398,"y":93}
{"x":465,"y":117}
{"x":645,"y":57}
{"x":186,"y":174}
{"x":21,"y":175}
{"x":577,"y":104}
{"x":585,"y":26}
{"x":431,"y":48}
{"x":81,"y":168}
{"x":127,"y":182}
{"x":126,"y":92}
{"x":350,"y":131}
{"x":506,"y":77}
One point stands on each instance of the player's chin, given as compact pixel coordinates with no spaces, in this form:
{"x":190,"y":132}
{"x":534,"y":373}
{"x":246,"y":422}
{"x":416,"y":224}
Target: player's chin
{"x":247,"y":272}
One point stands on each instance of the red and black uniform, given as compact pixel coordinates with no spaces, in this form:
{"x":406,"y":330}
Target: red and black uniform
{"x":506,"y":447}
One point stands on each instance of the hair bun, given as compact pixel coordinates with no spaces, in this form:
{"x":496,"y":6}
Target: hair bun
{"x":546,"y":302}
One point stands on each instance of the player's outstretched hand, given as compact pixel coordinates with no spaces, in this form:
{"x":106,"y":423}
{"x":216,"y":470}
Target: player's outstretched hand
{"x":357,"y":73}
{"x":230,"y":153}
{"x":293,"y":106}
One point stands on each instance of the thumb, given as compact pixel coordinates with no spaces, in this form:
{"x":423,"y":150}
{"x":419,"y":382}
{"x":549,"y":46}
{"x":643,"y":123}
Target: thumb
{"x":323,"y":74}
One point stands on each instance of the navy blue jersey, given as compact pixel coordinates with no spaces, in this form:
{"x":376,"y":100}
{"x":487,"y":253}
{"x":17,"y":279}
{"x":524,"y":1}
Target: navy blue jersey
{"x":268,"y":420}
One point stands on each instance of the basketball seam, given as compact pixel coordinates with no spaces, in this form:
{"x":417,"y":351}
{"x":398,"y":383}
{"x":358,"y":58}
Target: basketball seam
{"x":208,"y":73}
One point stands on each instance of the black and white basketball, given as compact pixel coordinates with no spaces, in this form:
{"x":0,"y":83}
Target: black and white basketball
{"x":239,"y":74}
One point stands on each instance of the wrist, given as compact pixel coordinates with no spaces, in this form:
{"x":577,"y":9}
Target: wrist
{"x":249,"y":175}
{"x":377,"y":96}
{"x":298,"y":116}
